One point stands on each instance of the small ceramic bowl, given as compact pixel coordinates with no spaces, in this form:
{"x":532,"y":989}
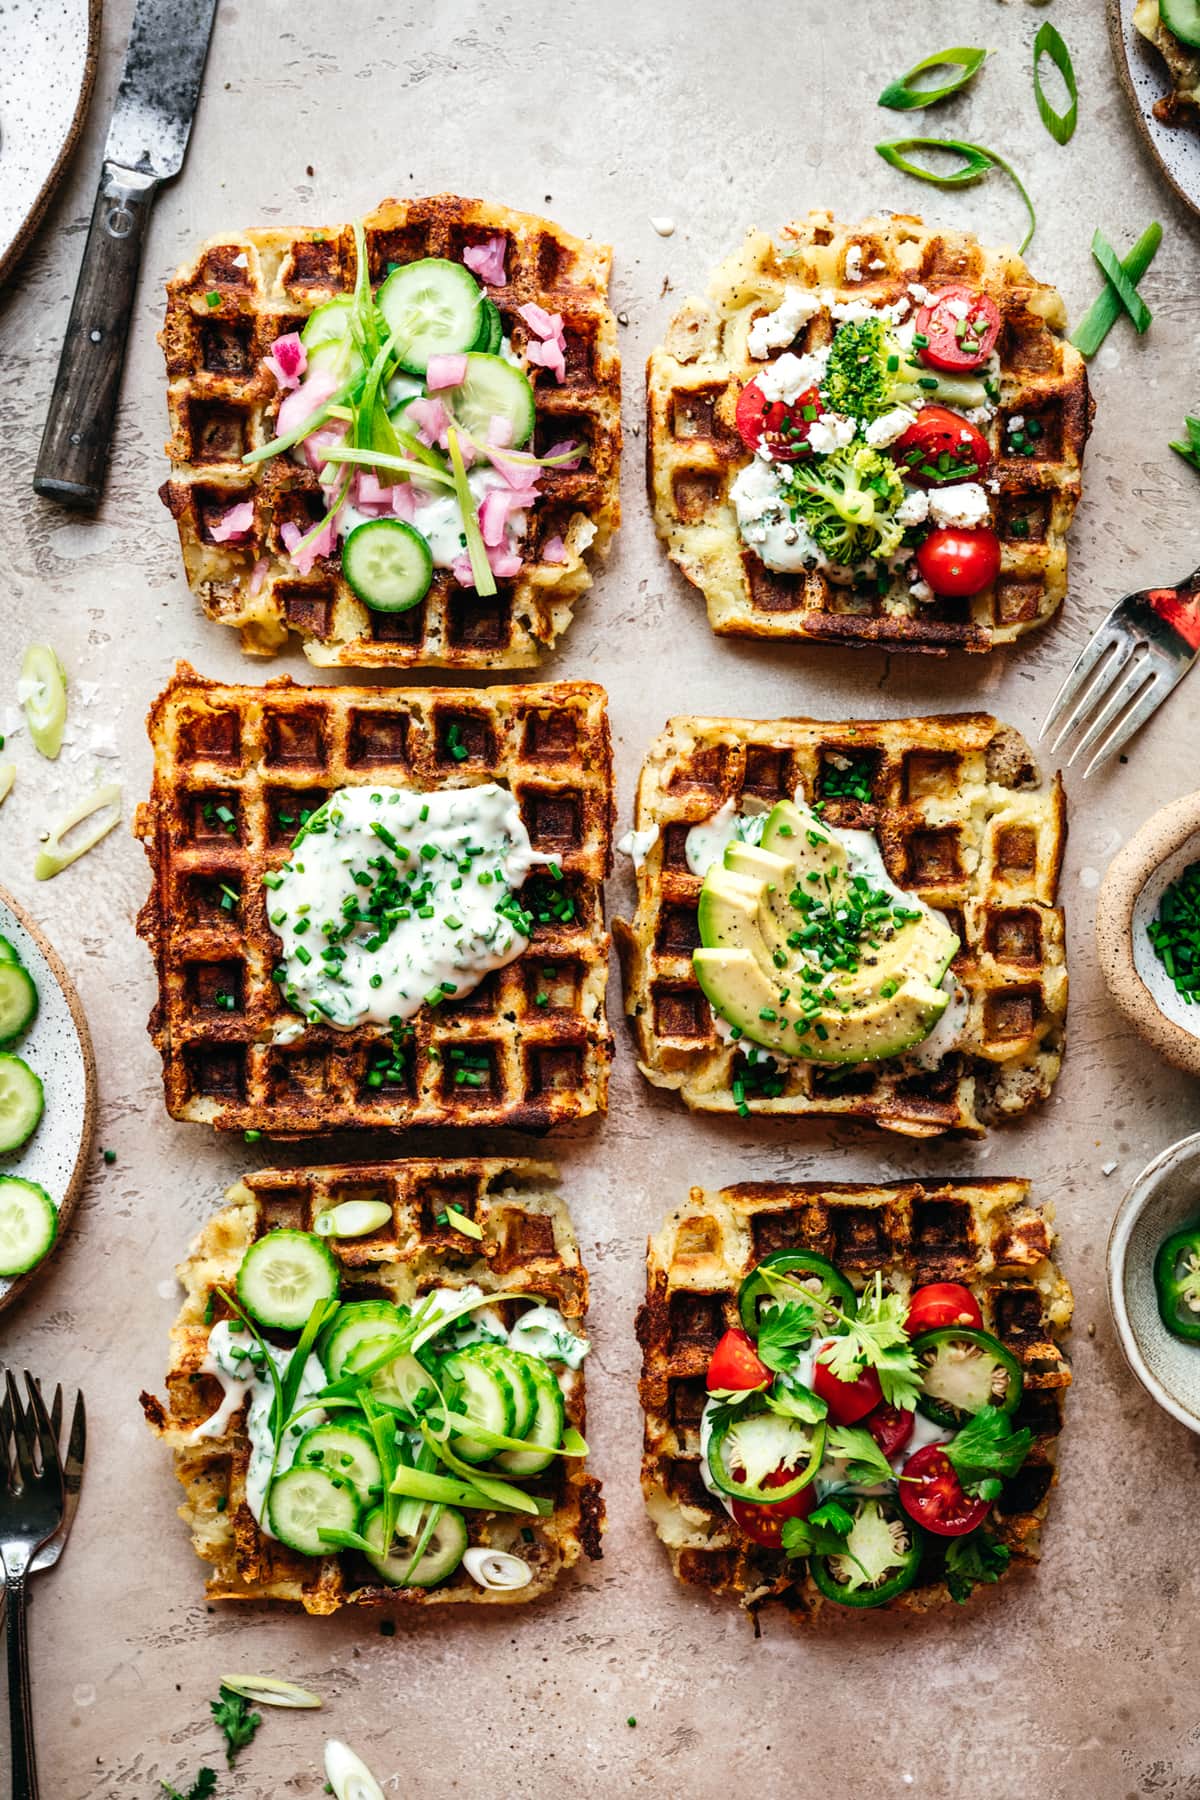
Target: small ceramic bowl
{"x":1128,"y":901}
{"x":1164,"y":1198}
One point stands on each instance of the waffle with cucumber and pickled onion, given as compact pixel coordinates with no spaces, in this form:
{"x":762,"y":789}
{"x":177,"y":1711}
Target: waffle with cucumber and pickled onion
{"x":1173,"y":27}
{"x":376,"y":1390}
{"x":398,"y":439}
{"x":852,"y":1393}
{"x":379,"y":907}
{"x":870,"y":434}
{"x":854,"y":919}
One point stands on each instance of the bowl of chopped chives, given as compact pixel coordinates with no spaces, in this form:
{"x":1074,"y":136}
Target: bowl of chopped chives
{"x":1148,"y":932}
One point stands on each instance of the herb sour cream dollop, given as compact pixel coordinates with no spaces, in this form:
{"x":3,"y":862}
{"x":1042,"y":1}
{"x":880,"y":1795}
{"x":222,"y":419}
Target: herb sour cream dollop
{"x":393,"y":899}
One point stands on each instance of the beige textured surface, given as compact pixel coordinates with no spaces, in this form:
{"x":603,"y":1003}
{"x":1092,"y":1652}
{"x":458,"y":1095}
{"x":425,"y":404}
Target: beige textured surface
{"x":1077,"y":1686}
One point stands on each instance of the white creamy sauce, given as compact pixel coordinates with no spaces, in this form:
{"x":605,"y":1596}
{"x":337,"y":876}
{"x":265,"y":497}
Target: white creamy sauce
{"x":229,"y":1345}
{"x":453,"y":855}
{"x":708,"y":841}
{"x":482,"y":1325}
{"x":543,"y":1331}
{"x":778,"y":540}
{"x":947,"y":1033}
{"x":637,"y":845}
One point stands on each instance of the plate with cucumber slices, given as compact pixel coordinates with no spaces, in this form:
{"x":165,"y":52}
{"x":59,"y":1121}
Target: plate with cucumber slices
{"x":1156,"y":49}
{"x":47,"y":1098}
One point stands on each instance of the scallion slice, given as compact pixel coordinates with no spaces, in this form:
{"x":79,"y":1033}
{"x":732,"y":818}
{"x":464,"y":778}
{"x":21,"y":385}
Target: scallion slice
{"x":1106,"y":308}
{"x":1190,"y":451}
{"x":481,"y":569}
{"x":903,"y":95}
{"x":975,"y":162}
{"x":8,"y":774}
{"x":1048,"y":42}
{"x":1125,"y":291}
{"x":266,"y":1690}
{"x":55,"y":855}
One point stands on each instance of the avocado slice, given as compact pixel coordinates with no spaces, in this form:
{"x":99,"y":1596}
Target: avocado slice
{"x":807,"y":957}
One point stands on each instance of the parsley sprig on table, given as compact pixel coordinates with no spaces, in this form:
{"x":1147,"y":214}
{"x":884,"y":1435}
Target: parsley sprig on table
{"x":202,"y":1788}
{"x":233,"y":1715}
{"x":873,"y":1338}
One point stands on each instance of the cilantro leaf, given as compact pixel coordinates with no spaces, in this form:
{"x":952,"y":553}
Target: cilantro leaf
{"x":833,"y":1514}
{"x":813,"y":1537}
{"x":985,"y":1448}
{"x":865,"y":1461}
{"x":876,"y":1339}
{"x":972,"y":1561}
{"x":233,"y":1715}
{"x":783,"y":1330}
{"x":202,"y":1788}
{"x":792,"y":1400}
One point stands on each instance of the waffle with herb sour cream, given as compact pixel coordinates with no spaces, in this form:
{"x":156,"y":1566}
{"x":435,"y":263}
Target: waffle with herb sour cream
{"x":962,"y":819}
{"x":225,"y":309}
{"x":696,"y":453}
{"x":528,"y":1247}
{"x":236,"y":769}
{"x":987,"y":1235}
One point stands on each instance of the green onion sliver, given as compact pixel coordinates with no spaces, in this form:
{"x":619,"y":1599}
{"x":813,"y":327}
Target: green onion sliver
{"x":55,"y":854}
{"x":903,"y":96}
{"x":1060,"y":125}
{"x":1126,"y":293}
{"x":481,"y":569}
{"x":1106,"y":308}
{"x":975,"y":162}
{"x":376,"y":459}
{"x":417,"y":1485}
{"x":1190,"y":451}
{"x":265,"y":1690}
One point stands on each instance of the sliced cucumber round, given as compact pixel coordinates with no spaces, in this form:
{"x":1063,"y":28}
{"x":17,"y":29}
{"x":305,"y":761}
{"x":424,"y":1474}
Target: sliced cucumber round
{"x":8,"y":952}
{"x":493,"y":389}
{"x":388,"y":564}
{"x":306,"y":1501}
{"x":327,"y":340}
{"x":347,"y":1451}
{"x":1183,"y":18}
{"x":28,"y":1224}
{"x":18,"y":1001}
{"x":45,"y":685}
{"x":353,"y":1324}
{"x":515,"y":1369}
{"x":547,"y":1425}
{"x":283,"y":1276}
{"x":21,"y":1102}
{"x":405,"y":1381}
{"x":432,"y":307}
{"x":483,"y":1393}
{"x":440,"y":1558}
{"x":491,"y":329}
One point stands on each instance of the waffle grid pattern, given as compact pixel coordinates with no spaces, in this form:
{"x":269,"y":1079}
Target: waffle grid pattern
{"x":528,"y":1247}
{"x":985,"y":1234}
{"x":224,"y":311}
{"x":695,"y":452}
{"x":961,"y":818}
{"x":234,"y":769}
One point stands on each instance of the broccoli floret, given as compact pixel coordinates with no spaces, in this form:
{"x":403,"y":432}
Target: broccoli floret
{"x":848,"y":503}
{"x":869,"y":373}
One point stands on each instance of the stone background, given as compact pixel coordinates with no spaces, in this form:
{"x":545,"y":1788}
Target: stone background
{"x":1073,"y":1684}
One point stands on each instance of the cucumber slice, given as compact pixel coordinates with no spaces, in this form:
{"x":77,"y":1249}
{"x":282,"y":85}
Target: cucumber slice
{"x":305,"y":1501}
{"x":493,"y":389}
{"x":441,"y":1556}
{"x":326,"y":338}
{"x":515,"y":1369}
{"x":405,"y":1381}
{"x":547,"y":1425}
{"x":18,"y":1002}
{"x":353,"y":1324}
{"x":46,"y":698}
{"x":28,"y":1224}
{"x":283,"y":1276}
{"x":347,"y":1451}
{"x":1183,"y":18}
{"x":21,"y":1102}
{"x":8,"y":952}
{"x":388,"y":564}
{"x":484,"y":1394}
{"x":491,"y":329}
{"x":432,"y":306}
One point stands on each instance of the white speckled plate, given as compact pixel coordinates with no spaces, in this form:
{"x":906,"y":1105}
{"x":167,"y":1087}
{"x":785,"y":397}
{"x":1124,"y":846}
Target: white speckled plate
{"x":46,"y":77}
{"x":1143,"y":76}
{"x":58,"y":1047}
{"x":1128,"y":900}
{"x":1164,"y":1198}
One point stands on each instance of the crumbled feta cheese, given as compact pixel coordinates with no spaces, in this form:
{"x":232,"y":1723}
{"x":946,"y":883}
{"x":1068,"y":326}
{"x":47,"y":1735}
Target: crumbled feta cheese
{"x":854,"y":311}
{"x":958,"y":309}
{"x":831,"y":432}
{"x":86,"y":691}
{"x":788,"y":376}
{"x":921,"y":590}
{"x":920,"y":294}
{"x":854,"y":263}
{"x":964,"y":503}
{"x":877,"y":262}
{"x":1108,"y":1168}
{"x":1016,"y":422}
{"x":240,"y":261}
{"x":891,"y":425}
{"x":776,"y":330}
{"x":914,"y":508}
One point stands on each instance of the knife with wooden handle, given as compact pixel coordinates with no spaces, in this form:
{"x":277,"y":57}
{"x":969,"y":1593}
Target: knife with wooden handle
{"x":147,"y":141}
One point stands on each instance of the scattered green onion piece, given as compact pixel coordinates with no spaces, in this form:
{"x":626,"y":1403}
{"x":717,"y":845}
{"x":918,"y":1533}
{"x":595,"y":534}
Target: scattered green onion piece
{"x":54,"y":856}
{"x":1106,"y":308}
{"x":1060,"y":125}
{"x":374,"y":459}
{"x":1126,"y":293}
{"x":903,"y":96}
{"x":265,"y":1690}
{"x":8,"y":774}
{"x":481,"y":570}
{"x":415,"y":1484}
{"x":306,"y":426}
{"x":352,"y":1219}
{"x":1190,"y":451}
{"x":460,"y":1222}
{"x":347,"y":1776}
{"x":976,"y":162}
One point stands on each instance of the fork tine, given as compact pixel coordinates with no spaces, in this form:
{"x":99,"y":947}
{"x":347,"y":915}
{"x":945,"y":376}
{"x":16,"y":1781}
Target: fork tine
{"x":20,"y":1431}
{"x":1105,"y":637}
{"x":47,"y":1437}
{"x":76,"y":1446}
{"x":1137,"y":673}
{"x":1107,"y":669}
{"x":56,"y":1410}
{"x":1148,"y":702}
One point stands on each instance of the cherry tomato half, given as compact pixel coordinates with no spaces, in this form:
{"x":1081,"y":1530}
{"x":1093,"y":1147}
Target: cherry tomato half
{"x":783,"y":428}
{"x":958,"y":339}
{"x":891,"y":1428}
{"x":734,"y":1367}
{"x":942,"y":1303}
{"x":765,"y":1523}
{"x":940,"y":446}
{"x":956,"y":562}
{"x":931,"y":1493}
{"x":848,"y":1401}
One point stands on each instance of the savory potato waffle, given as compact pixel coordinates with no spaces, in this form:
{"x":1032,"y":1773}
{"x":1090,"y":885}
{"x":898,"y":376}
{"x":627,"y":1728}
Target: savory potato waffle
{"x":961,"y":819}
{"x":224,"y":311}
{"x":985,"y":1234}
{"x":1182,"y":105}
{"x":528,"y":1247}
{"x":695,"y":452}
{"x":234,"y":767}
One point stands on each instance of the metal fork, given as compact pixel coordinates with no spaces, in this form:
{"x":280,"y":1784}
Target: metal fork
{"x":72,"y":1461}
{"x":32,"y":1505}
{"x":1143,"y":649}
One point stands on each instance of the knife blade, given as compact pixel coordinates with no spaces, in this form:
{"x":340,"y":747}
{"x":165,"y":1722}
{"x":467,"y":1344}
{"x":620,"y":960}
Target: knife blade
{"x":147,"y":141}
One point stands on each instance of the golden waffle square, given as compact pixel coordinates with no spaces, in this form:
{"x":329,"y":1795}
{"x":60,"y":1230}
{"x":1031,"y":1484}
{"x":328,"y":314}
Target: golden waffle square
{"x":1182,"y":105}
{"x":962,"y":818}
{"x":528,"y":1247}
{"x":695,"y":452}
{"x":234,"y":767}
{"x":224,"y":311}
{"x":986,"y":1234}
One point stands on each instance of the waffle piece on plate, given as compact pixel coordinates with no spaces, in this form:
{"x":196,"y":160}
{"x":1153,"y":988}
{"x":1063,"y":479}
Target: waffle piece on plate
{"x":987,"y":1236}
{"x":245,"y":290}
{"x":247,"y":1033}
{"x":517,"y":1239}
{"x":1010,"y":466}
{"x":962,"y":820}
{"x":1182,"y":105}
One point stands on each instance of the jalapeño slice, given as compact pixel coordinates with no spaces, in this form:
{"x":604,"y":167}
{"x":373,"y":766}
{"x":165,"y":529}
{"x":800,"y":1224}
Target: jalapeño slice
{"x":769,"y":1280}
{"x":749,"y":1443}
{"x":881,"y":1558}
{"x":1177,"y":1279}
{"x":962,"y":1371}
